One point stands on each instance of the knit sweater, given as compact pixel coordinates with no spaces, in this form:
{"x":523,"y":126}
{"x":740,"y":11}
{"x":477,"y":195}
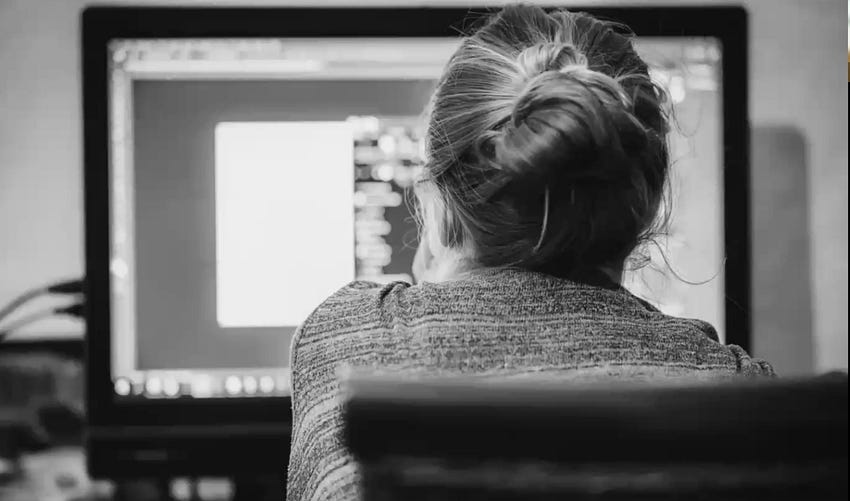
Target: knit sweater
{"x":504,"y":323}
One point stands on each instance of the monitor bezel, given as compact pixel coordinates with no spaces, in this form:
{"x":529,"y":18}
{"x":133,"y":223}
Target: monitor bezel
{"x":272,"y":415}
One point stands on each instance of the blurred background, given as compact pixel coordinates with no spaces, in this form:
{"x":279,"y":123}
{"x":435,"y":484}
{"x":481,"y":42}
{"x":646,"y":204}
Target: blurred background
{"x":798,"y":196}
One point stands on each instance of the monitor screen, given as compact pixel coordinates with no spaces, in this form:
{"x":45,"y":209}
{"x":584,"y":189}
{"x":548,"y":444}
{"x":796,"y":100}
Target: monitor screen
{"x":251,"y":178}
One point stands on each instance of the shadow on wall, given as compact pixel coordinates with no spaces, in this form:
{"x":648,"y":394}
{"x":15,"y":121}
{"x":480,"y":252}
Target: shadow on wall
{"x":781,"y":269}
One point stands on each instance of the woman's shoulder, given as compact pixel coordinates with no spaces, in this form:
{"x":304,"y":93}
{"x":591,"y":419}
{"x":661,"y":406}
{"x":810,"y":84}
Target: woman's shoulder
{"x":703,"y":341}
{"x":705,"y":344}
{"x":356,"y":308}
{"x":357,"y":302}
{"x":354,"y":317}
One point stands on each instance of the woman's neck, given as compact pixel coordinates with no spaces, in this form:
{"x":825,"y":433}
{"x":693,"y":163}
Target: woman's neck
{"x":462,"y":268}
{"x":454,"y":264}
{"x":615,"y":273}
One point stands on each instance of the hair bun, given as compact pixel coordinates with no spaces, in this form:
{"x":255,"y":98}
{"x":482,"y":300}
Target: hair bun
{"x":569,"y":122}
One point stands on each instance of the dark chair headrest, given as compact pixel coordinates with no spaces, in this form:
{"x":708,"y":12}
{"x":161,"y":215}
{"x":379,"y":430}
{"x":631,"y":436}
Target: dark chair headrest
{"x":745,"y":420}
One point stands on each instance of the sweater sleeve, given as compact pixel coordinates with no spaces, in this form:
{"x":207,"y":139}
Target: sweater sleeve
{"x":749,"y":366}
{"x":319,"y":467}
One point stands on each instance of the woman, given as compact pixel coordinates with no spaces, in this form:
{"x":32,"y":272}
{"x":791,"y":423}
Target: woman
{"x":547,"y":164}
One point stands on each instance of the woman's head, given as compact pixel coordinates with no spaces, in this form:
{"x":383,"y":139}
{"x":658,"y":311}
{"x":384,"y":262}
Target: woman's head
{"x":546,"y":145}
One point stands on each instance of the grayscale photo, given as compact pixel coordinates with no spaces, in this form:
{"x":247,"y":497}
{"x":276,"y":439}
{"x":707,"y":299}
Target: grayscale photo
{"x":374,"y":250}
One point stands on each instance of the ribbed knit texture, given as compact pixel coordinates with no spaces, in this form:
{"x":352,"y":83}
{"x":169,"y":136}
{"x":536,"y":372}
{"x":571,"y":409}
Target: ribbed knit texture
{"x":495,"y":323}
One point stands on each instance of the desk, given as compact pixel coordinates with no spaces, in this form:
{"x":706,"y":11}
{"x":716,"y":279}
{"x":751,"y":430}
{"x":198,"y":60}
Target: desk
{"x":60,"y":475}
{"x":54,"y":475}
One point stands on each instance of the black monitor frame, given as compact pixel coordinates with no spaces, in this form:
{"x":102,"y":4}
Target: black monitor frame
{"x":230,"y":437}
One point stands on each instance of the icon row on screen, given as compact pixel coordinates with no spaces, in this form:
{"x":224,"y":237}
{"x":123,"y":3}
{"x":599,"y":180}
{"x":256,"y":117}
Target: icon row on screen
{"x":195,"y":385}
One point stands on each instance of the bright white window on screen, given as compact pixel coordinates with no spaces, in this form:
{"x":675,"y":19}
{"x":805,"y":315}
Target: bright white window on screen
{"x":284,"y":219}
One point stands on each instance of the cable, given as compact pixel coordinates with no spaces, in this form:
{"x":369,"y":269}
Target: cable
{"x":65,"y":287}
{"x":21,"y":300}
{"x":72,"y":310}
{"x":76,"y":310}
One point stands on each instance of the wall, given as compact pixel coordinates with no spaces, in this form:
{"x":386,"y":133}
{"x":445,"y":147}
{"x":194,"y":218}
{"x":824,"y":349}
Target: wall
{"x":794,"y":85}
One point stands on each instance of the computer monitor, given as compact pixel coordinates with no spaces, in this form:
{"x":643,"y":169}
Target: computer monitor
{"x":243,"y":164}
